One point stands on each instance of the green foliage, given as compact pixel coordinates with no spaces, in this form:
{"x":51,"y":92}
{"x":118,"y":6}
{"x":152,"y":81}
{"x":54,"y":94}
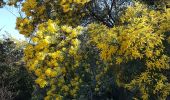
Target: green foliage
{"x":14,"y":78}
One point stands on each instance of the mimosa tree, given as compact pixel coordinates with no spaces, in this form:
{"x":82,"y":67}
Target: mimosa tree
{"x":98,"y":49}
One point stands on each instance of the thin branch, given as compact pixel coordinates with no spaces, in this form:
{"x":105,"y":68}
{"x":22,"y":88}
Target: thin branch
{"x":97,"y":17}
{"x":109,"y":12}
{"x":19,"y":9}
{"x":2,"y":28}
{"x":10,"y":11}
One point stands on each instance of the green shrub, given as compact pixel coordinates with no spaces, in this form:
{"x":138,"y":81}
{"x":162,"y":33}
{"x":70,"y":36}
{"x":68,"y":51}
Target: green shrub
{"x":15,"y":81}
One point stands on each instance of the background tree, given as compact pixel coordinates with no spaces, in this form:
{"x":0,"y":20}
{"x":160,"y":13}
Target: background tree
{"x":15,"y":82}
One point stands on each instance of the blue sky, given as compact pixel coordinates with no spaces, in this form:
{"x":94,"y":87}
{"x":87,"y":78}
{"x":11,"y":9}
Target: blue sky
{"x":8,"y":20}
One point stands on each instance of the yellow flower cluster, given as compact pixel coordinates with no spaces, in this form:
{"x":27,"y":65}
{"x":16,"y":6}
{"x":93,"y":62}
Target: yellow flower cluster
{"x":39,"y":11}
{"x":147,"y":79}
{"x":67,"y":60}
{"x":34,"y":10}
{"x":137,"y":37}
{"x":134,"y":41}
{"x":24,"y":26}
{"x":29,"y":6}
{"x":54,"y":52}
{"x":68,"y":5}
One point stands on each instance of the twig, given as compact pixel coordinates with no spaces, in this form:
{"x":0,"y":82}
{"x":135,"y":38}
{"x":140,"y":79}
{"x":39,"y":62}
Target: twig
{"x":2,"y":28}
{"x":10,"y":11}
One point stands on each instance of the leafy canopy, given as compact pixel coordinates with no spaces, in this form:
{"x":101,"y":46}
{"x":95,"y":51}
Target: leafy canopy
{"x":75,"y":52}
